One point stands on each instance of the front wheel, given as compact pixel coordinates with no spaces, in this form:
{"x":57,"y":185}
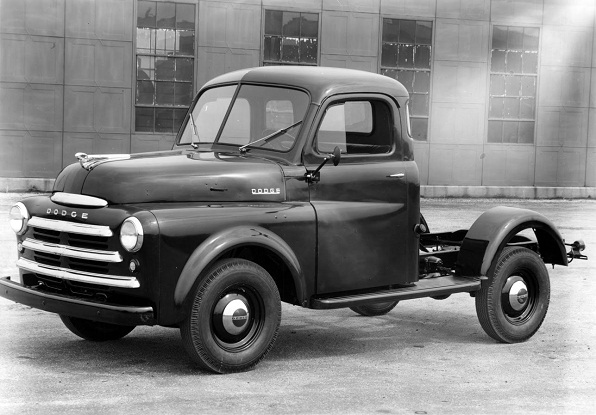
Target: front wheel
{"x":234,"y":317}
{"x":375,"y":309}
{"x":95,"y":330}
{"x":512,"y":304}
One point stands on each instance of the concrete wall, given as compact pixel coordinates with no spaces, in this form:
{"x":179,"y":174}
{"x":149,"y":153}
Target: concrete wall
{"x":67,"y":76}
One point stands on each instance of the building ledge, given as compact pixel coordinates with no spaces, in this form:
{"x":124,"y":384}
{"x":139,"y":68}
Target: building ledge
{"x":20,"y":185}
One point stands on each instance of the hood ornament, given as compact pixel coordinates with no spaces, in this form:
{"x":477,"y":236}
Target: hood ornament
{"x":89,"y":161}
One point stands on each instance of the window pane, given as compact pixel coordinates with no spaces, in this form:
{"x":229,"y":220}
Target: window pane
{"x":497,"y":62}
{"x":308,"y":50}
{"x":514,"y":62}
{"x":515,"y":38}
{"x":422,"y":82}
{"x":389,"y":54}
{"x":526,"y":132}
{"x":164,"y":93}
{"x":145,"y":68}
{"x":290,"y":50}
{"x":407,"y":79}
{"x":164,"y":69}
{"x":422,"y":58}
{"x":309,"y":25}
{"x":166,"y":15}
{"x":291,"y":24}
{"x":531,"y":39}
{"x":497,"y":85}
{"x":184,"y":69}
{"x":272,"y":50}
{"x":530,"y":63}
{"x":407,"y":31}
{"x":164,"y":120}
{"x":510,"y":131}
{"x":511,"y":107}
{"x":145,"y":92}
{"x":495,"y":131}
{"x":146,"y":14}
{"x":424,"y":33}
{"x":144,"y":119}
{"x":183,"y":93}
{"x":185,"y":44}
{"x":185,"y":16}
{"x":273,"y":22}
{"x":513,"y":86}
{"x":144,"y":41}
{"x":419,"y":104}
{"x":390,"y":30}
{"x":496,"y":108}
{"x":500,"y":37}
{"x":419,"y":128}
{"x":405,"y":57}
{"x":526,"y":109}
{"x":528,"y":86}
{"x":391,"y":73}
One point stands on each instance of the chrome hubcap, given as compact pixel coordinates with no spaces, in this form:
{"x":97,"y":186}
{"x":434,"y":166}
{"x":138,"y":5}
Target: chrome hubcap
{"x":518,"y":295}
{"x":235,"y":316}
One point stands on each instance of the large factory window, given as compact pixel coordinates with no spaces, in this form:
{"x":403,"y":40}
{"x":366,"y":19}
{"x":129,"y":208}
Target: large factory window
{"x":513,"y":77}
{"x":406,"y":56}
{"x":165,"y":65}
{"x":290,"y":38}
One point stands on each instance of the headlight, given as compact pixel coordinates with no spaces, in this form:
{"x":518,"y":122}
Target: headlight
{"x":18,"y":218}
{"x":131,"y":234}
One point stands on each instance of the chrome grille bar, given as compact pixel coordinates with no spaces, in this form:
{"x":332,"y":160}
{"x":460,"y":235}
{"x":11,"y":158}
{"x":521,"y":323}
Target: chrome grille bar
{"x":80,"y":276}
{"x":71,"y":251}
{"x":70,"y":227}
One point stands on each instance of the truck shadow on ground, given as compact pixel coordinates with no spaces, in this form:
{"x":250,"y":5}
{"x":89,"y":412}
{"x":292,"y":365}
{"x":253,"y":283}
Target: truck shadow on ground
{"x":303,"y":335}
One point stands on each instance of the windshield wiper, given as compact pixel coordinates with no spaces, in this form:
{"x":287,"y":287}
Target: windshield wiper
{"x":269,"y":136}
{"x":194,"y":133}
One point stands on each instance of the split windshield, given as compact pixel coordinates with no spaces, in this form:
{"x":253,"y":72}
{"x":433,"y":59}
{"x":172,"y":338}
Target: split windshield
{"x":257,"y":112}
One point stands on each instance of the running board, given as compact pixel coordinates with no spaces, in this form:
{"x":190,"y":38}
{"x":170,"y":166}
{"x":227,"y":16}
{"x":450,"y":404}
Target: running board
{"x":429,"y":287}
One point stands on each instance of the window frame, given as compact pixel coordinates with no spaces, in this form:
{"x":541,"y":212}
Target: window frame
{"x":269,"y":62}
{"x":183,"y":109}
{"x":519,"y":120}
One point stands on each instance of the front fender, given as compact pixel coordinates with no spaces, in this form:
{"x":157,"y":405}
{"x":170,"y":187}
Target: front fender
{"x":491,"y":232}
{"x":223,"y":241}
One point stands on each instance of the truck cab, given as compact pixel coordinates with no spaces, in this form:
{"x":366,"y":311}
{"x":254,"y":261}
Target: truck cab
{"x":293,"y":184}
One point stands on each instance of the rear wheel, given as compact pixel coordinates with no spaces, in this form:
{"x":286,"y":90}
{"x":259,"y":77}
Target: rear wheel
{"x":234,"y":317}
{"x":95,"y":330}
{"x":376,"y":309}
{"x":512,"y":304}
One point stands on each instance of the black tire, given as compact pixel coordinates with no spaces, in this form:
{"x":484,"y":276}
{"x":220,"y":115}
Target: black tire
{"x":95,"y":330}
{"x":512,"y":304}
{"x":376,"y":309}
{"x":234,"y":317}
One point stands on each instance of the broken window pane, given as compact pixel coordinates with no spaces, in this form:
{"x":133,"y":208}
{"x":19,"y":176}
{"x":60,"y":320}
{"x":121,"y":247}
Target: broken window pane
{"x":308,"y":50}
{"x":290,"y":49}
{"x":405,"y":56}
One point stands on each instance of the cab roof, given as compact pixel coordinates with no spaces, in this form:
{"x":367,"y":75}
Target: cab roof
{"x":321,"y":82}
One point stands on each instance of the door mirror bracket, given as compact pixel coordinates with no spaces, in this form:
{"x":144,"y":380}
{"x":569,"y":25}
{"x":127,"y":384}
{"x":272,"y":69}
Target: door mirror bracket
{"x":313,"y":176}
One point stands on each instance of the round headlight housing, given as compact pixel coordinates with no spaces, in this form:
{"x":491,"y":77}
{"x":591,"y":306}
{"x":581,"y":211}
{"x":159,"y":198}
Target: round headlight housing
{"x":18,"y":218}
{"x":131,"y":234}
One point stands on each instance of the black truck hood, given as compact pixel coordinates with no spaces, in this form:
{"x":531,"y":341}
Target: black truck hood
{"x":177,"y":176}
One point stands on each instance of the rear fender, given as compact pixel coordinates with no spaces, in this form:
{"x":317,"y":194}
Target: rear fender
{"x":491,"y":232}
{"x":219,"y":243}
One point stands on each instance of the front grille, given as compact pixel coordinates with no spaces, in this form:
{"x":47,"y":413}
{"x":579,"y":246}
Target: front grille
{"x":73,"y":254}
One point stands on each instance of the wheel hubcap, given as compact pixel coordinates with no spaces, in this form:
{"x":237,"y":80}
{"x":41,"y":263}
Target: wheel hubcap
{"x":234,"y":319}
{"x":518,"y":295}
{"x":517,"y":298}
{"x":235,"y":316}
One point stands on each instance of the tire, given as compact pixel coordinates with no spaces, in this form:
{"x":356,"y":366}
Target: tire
{"x":95,"y":330}
{"x":512,"y":304}
{"x":234,"y":317}
{"x":375,"y":309}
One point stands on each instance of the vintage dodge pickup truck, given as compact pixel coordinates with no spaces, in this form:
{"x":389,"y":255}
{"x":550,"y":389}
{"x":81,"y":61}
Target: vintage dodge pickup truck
{"x":245,"y":212}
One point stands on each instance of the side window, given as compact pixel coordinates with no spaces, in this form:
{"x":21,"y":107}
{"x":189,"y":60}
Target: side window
{"x":356,"y":127}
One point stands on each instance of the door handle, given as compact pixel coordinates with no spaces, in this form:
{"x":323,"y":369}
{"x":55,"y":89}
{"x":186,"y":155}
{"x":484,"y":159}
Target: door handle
{"x":397,"y":176}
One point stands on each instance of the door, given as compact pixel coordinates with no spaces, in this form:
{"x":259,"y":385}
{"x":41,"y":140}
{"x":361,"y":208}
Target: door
{"x":364,"y":224}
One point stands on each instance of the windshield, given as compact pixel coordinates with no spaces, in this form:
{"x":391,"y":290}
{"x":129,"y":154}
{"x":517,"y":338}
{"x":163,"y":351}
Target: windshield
{"x":257,"y":112}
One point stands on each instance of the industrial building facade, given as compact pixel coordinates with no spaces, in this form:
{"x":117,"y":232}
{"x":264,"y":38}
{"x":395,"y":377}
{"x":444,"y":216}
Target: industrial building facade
{"x":503,"y":92}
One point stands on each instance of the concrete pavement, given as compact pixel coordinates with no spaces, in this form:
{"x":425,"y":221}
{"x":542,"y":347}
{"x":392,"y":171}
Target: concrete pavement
{"x":425,"y":357}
